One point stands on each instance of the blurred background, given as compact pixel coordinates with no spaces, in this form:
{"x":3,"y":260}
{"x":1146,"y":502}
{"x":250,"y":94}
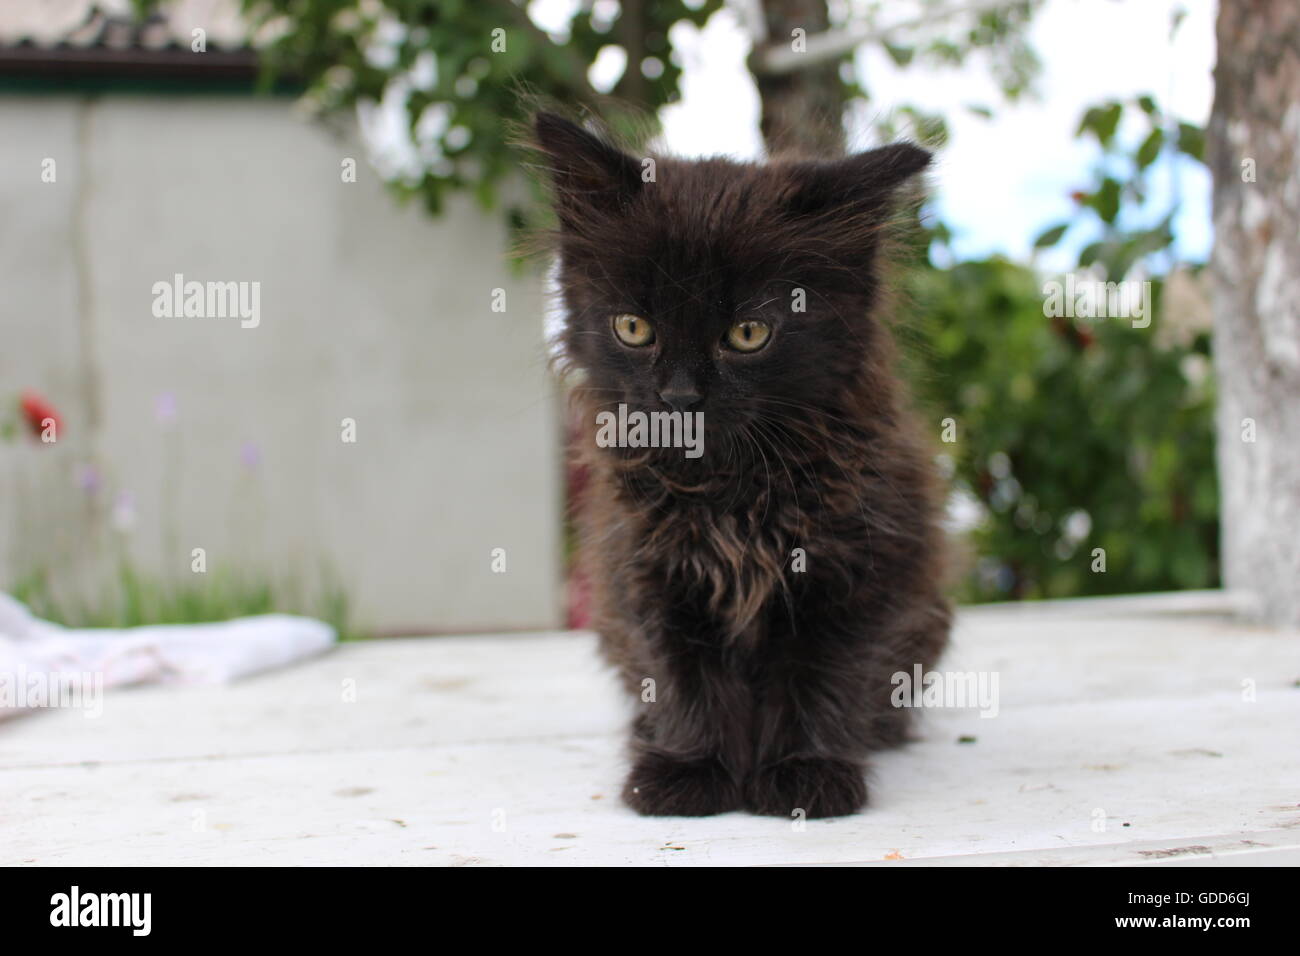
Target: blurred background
{"x":385,"y":448}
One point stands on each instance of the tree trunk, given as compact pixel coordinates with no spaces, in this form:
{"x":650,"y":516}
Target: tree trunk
{"x":1253,"y":150}
{"x":803,"y":111}
{"x":630,"y":30}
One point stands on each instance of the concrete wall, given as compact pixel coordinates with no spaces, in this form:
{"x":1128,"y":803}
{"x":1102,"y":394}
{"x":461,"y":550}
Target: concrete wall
{"x":369,"y":311}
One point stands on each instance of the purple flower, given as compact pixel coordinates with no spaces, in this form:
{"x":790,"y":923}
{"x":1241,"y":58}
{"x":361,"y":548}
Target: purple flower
{"x":88,"y":480}
{"x":250,"y":455}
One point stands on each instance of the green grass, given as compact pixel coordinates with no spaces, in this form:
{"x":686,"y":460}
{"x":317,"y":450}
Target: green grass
{"x":134,"y":599}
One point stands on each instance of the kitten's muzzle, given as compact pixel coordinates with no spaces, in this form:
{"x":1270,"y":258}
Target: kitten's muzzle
{"x":681,"y":399}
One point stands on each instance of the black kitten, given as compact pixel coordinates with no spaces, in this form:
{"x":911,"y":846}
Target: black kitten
{"x":757,"y":597}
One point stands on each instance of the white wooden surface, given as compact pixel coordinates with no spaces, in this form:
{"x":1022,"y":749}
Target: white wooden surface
{"x":507,"y":750}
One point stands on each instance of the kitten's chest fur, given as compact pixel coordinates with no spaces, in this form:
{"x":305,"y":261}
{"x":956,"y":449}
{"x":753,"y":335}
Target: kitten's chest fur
{"x":729,"y":565}
{"x":764,"y":557}
{"x":717,"y":562}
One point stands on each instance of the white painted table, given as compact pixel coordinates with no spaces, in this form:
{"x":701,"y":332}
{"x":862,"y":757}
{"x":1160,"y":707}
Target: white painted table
{"x":1124,"y":736}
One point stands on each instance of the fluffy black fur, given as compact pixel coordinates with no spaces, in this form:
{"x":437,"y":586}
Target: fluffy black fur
{"x":762,"y":679}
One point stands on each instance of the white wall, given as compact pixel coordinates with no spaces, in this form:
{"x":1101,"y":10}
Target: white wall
{"x":368,"y":310}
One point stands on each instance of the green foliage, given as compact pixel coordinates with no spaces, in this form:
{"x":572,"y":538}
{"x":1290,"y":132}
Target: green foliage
{"x":1061,"y":418}
{"x":465,"y":70}
{"x":135,"y":599}
{"x":1057,"y":419}
{"x":999,"y":36}
{"x":999,"y":33}
{"x":1117,"y":197}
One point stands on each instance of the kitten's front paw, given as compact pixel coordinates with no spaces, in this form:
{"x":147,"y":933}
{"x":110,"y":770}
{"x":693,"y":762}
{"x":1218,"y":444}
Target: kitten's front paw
{"x":664,"y":786}
{"x":820,"y":787}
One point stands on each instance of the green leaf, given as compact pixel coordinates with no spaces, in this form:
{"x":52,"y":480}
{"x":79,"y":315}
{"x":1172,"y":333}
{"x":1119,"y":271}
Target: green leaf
{"x":902,"y":55}
{"x":1191,"y":140}
{"x":1150,"y":148}
{"x":1102,"y":121}
{"x":1106,"y":200}
{"x":1052,"y":236}
{"x":1089,"y":254}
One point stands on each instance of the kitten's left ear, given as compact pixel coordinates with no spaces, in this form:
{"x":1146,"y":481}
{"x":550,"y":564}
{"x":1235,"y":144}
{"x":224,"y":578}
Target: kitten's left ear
{"x":589,"y":172}
{"x":866,"y":180}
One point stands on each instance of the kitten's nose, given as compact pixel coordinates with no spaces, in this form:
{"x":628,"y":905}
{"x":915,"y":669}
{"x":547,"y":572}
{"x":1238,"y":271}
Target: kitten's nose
{"x":681,"y":398}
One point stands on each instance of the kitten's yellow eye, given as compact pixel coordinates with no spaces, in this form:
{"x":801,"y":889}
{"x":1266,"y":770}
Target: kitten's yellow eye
{"x":749,"y":336}
{"x":633,"y":330}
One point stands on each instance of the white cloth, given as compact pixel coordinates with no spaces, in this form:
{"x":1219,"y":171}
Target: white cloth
{"x":162,"y":653}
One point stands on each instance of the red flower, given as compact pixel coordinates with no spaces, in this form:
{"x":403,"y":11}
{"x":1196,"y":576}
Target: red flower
{"x":1077,"y":335}
{"x":37,"y":411}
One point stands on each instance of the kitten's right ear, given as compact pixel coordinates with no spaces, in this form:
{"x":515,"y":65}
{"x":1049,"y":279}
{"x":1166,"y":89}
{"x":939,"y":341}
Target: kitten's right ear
{"x":587,"y":170}
{"x":867,"y":182}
